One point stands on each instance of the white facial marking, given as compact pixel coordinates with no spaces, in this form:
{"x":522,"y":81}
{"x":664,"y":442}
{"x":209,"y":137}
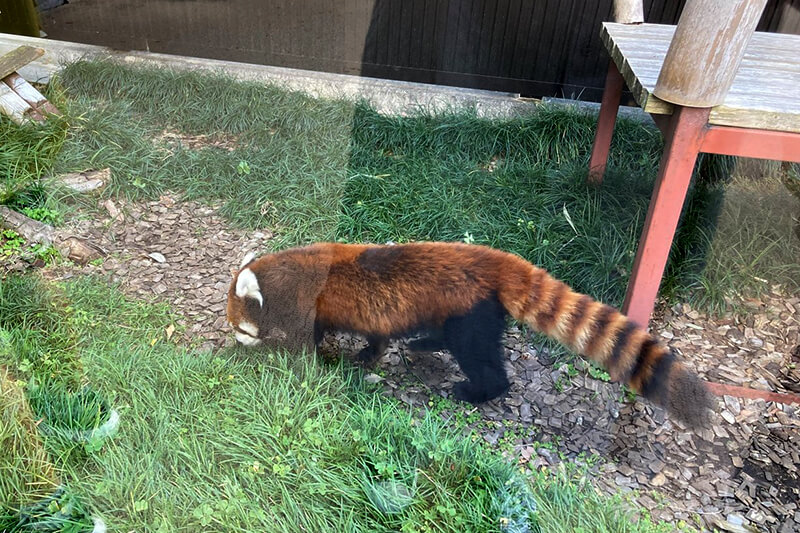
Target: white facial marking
{"x":247,"y":286}
{"x":247,"y":258}
{"x":249,"y":328}
{"x":246,"y":339}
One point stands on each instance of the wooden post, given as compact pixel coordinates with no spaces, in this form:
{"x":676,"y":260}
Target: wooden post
{"x":628,"y":11}
{"x":705,"y":53}
{"x":19,"y":17}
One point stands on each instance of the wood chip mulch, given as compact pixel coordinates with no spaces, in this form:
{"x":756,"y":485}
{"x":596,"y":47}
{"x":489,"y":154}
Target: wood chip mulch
{"x":739,"y":474}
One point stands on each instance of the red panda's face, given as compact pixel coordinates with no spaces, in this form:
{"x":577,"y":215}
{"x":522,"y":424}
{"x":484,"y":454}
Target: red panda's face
{"x":244,"y":296}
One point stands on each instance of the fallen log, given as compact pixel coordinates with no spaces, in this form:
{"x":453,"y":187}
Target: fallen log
{"x":32,"y":230}
{"x":71,"y":247}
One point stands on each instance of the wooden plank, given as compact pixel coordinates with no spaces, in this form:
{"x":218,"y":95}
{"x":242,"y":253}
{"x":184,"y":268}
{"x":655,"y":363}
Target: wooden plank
{"x":764,"y":94}
{"x":29,"y":93}
{"x":18,"y":58}
{"x":12,"y":105}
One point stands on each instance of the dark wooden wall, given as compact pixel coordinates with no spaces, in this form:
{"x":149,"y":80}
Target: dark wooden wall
{"x":533,"y":47}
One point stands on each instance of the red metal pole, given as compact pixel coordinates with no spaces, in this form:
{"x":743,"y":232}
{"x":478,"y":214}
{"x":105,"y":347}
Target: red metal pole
{"x":746,"y":142}
{"x":735,"y":390}
{"x":682,"y":144}
{"x":605,"y":124}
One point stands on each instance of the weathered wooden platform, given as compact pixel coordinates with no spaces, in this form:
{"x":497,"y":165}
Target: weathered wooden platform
{"x":765,"y":93}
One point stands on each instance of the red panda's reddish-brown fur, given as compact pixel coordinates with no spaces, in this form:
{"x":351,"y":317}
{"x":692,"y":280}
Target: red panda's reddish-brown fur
{"x":390,"y":291}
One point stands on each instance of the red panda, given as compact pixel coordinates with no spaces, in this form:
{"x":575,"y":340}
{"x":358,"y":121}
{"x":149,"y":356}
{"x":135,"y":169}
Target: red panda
{"x":459,"y":296}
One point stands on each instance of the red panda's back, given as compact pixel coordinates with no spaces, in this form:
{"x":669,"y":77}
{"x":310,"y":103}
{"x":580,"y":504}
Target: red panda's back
{"x":385,"y":290}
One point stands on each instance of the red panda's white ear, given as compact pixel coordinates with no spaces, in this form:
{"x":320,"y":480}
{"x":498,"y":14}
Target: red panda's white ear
{"x":234,"y":271}
{"x":247,"y":258}
{"x":247,"y":286}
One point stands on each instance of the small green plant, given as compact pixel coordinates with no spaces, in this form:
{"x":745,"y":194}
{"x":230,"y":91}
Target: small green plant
{"x":43,"y":214}
{"x":565,"y":378}
{"x":62,"y":511}
{"x":243,"y":168}
{"x":45,"y":252}
{"x":10,"y":243}
{"x":598,"y":373}
{"x":626,"y":394}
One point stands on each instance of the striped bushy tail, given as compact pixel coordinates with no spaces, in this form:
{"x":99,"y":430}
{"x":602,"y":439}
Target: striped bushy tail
{"x":629,"y":353}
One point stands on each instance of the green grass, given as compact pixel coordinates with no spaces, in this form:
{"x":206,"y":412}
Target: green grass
{"x":756,"y":242}
{"x":325,"y":170}
{"x":247,"y":440}
{"x":35,"y":339}
{"x":296,"y":147}
{"x":26,"y":471}
{"x":28,"y":153}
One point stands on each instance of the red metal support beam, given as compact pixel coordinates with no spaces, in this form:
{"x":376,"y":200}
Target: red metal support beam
{"x":605,"y":124}
{"x":682,"y":144}
{"x":754,"y":394}
{"x":745,"y":142}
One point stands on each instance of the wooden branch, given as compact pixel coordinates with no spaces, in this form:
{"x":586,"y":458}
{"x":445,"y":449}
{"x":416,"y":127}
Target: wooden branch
{"x":17,"y":58}
{"x":29,"y":93}
{"x":73,"y":248}
{"x":706,"y":51}
{"x":13,"y":105}
{"x":32,"y":230}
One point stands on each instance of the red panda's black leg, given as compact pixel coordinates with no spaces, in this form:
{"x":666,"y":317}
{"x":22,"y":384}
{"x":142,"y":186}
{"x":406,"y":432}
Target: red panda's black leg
{"x":319,"y":332}
{"x":475,"y":341}
{"x":375,"y":348}
{"x":432,"y":341}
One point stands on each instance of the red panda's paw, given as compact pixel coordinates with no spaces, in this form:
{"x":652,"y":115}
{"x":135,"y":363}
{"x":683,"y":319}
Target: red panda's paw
{"x":466,"y":391}
{"x":367,"y":357}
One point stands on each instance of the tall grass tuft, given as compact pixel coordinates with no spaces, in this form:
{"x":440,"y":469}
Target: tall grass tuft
{"x":26,"y":472}
{"x":37,"y":338}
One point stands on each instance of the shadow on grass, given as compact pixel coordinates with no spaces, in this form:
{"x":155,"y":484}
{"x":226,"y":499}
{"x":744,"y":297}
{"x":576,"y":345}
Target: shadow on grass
{"x":323,"y":170}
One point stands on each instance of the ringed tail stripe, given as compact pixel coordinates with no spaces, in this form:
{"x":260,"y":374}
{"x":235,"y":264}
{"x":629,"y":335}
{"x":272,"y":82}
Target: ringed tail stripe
{"x":631,"y":353}
{"x":615,"y":360}
{"x":584,"y":332}
{"x":597,"y":329}
{"x":547,"y":315}
{"x":656,"y":386}
{"x":577,"y":319}
{"x":642,"y":369}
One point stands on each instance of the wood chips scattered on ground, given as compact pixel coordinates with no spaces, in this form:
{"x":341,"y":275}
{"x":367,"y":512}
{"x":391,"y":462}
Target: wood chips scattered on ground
{"x":742,"y":471}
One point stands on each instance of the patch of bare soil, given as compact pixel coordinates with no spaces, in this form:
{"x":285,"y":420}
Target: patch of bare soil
{"x":173,"y":140}
{"x":739,"y":474}
{"x":176,"y":252}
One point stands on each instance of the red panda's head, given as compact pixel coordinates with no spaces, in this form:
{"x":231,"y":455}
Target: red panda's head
{"x":272,"y":300}
{"x":244,"y":301}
